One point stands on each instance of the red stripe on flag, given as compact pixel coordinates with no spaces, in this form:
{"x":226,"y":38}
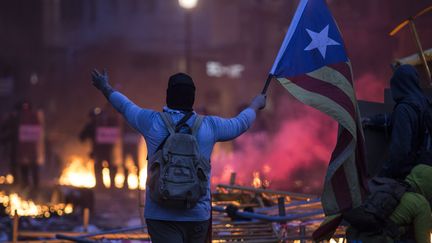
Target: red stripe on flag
{"x":341,"y":189}
{"x":343,"y":141}
{"x":326,"y":89}
{"x":339,"y":182}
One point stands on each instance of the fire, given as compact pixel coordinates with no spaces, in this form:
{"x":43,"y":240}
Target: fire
{"x":13,"y":203}
{"x":142,"y":178}
{"x":8,"y":179}
{"x":340,"y":240}
{"x":106,"y":175}
{"x":119,"y":178}
{"x":132,"y":180}
{"x":142,"y":163}
{"x":78,"y":174}
{"x":256,"y":182}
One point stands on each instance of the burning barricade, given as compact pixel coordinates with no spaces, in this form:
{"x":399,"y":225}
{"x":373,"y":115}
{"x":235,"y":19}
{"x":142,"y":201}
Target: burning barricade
{"x":14,"y":204}
{"x":80,"y":174}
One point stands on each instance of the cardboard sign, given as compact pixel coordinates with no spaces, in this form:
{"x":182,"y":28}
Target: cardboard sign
{"x":107,"y":135}
{"x":29,"y":133}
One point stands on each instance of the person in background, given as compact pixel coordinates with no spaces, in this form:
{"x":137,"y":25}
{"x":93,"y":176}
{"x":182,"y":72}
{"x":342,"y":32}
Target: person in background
{"x":406,"y":123}
{"x":22,"y":131}
{"x":103,"y":131}
{"x":411,"y":220}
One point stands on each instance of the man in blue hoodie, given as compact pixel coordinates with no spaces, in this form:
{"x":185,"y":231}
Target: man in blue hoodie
{"x":169,"y":224}
{"x":407,"y":123}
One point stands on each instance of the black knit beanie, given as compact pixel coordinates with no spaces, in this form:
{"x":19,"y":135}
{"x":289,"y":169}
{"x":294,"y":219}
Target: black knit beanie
{"x":180,"y":92}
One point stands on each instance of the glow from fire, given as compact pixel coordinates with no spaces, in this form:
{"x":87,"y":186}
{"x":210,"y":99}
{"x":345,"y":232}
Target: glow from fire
{"x":142,"y":163}
{"x":340,"y":240}
{"x":143,"y":178}
{"x":78,"y":174}
{"x":256,"y":182}
{"x":106,"y":179}
{"x":8,"y":179}
{"x":132,"y":180}
{"x":13,"y":203}
{"x":119,"y":178}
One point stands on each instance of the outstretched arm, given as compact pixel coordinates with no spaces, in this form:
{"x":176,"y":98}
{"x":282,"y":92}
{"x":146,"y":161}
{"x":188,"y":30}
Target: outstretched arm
{"x":138,"y":118}
{"x":227,"y":129}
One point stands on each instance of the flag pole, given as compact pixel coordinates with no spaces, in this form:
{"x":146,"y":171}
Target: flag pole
{"x":267,"y":83}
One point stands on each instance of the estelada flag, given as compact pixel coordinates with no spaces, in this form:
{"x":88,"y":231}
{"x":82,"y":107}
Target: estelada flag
{"x":312,"y":64}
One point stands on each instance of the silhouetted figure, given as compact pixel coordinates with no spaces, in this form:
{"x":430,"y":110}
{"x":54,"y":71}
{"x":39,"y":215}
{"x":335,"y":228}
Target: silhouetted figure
{"x":21,"y":132}
{"x":406,"y":124}
{"x":103,"y":131}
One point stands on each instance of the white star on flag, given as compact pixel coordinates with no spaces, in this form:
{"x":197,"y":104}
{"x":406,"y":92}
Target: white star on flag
{"x":320,"y":41}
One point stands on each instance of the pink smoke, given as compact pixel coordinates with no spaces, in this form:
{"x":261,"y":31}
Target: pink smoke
{"x":369,"y":87}
{"x":294,"y":158}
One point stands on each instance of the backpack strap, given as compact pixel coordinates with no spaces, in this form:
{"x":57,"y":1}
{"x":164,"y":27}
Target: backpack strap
{"x":168,"y":122}
{"x":182,"y":122}
{"x":197,"y":125}
{"x":170,"y":125}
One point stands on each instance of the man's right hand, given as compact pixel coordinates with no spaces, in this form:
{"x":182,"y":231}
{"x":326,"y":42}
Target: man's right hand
{"x":100,"y":81}
{"x":258,"y":102}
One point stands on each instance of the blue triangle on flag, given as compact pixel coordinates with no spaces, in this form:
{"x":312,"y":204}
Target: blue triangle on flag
{"x":313,"y":40}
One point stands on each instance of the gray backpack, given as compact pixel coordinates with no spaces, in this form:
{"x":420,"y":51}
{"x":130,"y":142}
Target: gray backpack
{"x":178,"y":175}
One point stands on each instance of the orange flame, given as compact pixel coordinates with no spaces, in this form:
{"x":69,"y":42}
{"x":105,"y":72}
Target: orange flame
{"x":15,"y":204}
{"x":119,"y":178}
{"x":256,"y":182}
{"x":8,"y":179}
{"x":133,"y":181}
{"x":142,"y":178}
{"x":106,"y":179}
{"x":78,"y":174}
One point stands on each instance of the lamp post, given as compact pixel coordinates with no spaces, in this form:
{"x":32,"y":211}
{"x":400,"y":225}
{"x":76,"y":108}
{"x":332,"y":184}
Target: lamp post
{"x":421,"y":54}
{"x":188,"y":5}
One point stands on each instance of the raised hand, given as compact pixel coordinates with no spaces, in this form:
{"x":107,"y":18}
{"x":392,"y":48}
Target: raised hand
{"x":100,"y":81}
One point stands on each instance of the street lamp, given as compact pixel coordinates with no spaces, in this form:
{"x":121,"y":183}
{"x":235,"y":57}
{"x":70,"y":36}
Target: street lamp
{"x":188,"y":5}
